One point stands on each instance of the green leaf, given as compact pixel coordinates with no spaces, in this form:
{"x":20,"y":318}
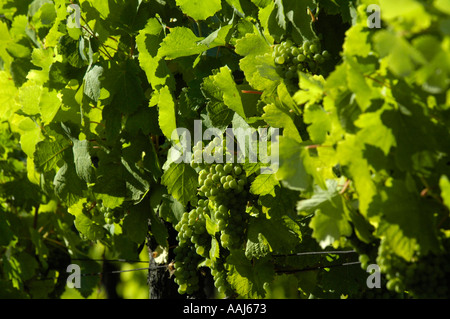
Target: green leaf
{"x":291,"y":171}
{"x":148,"y":42}
{"x":92,"y":86}
{"x":217,"y":37}
{"x":320,"y":123}
{"x":158,"y":230}
{"x":258,"y":64}
{"x":171,"y":210}
{"x":407,"y":223}
{"x":444,"y":184}
{"x":442,"y":5}
{"x":279,"y":118}
{"x":248,"y":278}
{"x":167,"y":113}
{"x":68,"y":186}
{"x":277,"y":234}
{"x":7,"y":96}
{"x":181,"y":181}
{"x":181,"y":42}
{"x":224,"y":81}
{"x":49,"y":152}
{"x":199,"y":10}
{"x":414,"y":15}
{"x":329,"y":223}
{"x":88,"y":228}
{"x":296,"y":12}
{"x":88,"y":283}
{"x":136,"y":223}
{"x":260,"y":72}
{"x":6,"y":234}
{"x":83,"y":162}
{"x":356,"y":41}
{"x":211,"y":227}
{"x":264,"y":184}
{"x":373,"y":131}
{"x":214,"y":252}
{"x":311,"y":89}
{"x":125,"y":85}
{"x":401,"y":57}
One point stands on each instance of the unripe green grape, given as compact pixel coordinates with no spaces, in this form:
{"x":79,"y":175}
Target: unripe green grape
{"x":280,"y":60}
{"x":313,"y":48}
{"x":242,"y":181}
{"x":193,"y":164}
{"x":233,"y":184}
{"x":209,"y":182}
{"x":222,"y":224}
{"x":289,"y":75}
{"x":203,"y":174}
{"x":318,"y":58}
{"x":223,"y":209}
{"x":214,"y":191}
{"x":228,"y":168}
{"x":306,"y":46}
{"x":301,"y":58}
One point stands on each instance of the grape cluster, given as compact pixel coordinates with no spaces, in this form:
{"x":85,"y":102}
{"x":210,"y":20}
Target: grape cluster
{"x":291,"y":58}
{"x":219,"y":274}
{"x":427,"y":277}
{"x":225,"y":186}
{"x":186,"y":274}
{"x":192,"y":227}
{"x":222,"y":197}
{"x":96,"y":210}
{"x":111,"y":215}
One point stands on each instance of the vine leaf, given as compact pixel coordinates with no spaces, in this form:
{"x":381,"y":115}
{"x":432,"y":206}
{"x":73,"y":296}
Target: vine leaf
{"x":49,"y":152}
{"x":247,"y":277}
{"x":181,"y":181}
{"x":329,"y":222}
{"x":167,"y":113}
{"x":264,"y":184}
{"x":198,"y":9}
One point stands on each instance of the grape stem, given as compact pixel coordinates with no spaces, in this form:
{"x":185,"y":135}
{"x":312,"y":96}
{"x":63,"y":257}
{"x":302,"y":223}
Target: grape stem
{"x":251,"y":92}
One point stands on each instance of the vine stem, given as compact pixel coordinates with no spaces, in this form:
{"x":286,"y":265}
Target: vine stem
{"x":345,"y":187}
{"x":251,"y":92}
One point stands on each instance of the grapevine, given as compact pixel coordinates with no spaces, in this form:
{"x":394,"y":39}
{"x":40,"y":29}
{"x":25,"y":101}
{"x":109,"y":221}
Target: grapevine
{"x":242,"y":149}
